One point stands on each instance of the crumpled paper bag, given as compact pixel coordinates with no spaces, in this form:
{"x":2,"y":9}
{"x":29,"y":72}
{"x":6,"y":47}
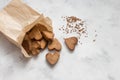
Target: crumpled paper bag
{"x":17,"y":18}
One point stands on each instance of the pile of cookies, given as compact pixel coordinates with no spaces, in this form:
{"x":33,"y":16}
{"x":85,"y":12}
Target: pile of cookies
{"x":38,"y":39}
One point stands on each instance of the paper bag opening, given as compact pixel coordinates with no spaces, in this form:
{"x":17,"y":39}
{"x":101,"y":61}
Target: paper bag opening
{"x":17,"y":18}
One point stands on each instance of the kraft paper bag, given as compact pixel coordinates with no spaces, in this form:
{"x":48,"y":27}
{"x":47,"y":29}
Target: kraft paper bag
{"x":17,"y":18}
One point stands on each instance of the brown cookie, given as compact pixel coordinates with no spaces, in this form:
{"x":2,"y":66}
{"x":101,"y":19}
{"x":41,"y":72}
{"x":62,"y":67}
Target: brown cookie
{"x":54,"y":45}
{"x":52,"y":58}
{"x":71,"y":42}
{"x":48,"y":35}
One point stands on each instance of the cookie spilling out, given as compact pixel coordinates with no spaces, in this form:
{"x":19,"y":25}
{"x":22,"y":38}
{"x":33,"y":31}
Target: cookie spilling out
{"x":38,"y":38}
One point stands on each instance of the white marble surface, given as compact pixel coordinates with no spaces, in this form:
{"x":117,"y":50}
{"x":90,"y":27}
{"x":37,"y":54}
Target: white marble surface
{"x":91,"y":61}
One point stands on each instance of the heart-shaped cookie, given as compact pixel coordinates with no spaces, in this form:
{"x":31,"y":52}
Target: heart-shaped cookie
{"x":55,"y":45}
{"x":48,"y":35}
{"x":71,"y":42}
{"x":52,"y":58}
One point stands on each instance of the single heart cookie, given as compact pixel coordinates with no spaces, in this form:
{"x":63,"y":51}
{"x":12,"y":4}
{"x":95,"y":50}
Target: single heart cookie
{"x":48,"y":35}
{"x":52,"y":58}
{"x":71,"y":42}
{"x":42,"y":43}
{"x":55,"y":45}
{"x":35,"y":34}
